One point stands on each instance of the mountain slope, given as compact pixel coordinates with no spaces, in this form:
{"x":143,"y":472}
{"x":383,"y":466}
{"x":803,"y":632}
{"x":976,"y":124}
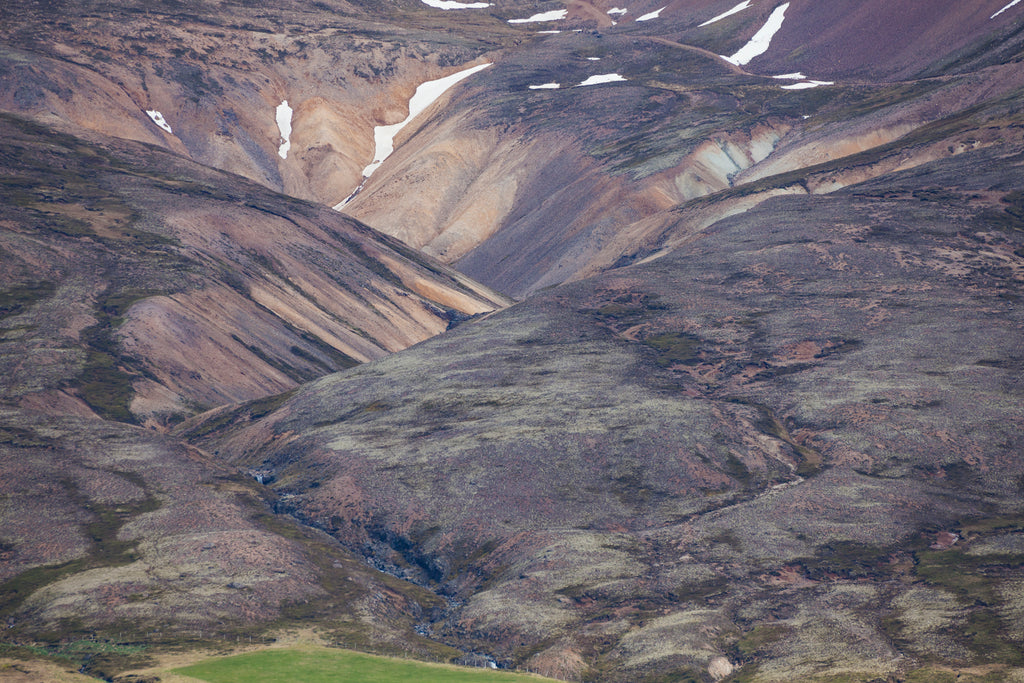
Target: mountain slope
{"x":774,"y":421}
{"x":140,"y":287}
{"x":118,"y":542}
{"x":217,"y":72}
{"x":533,"y":187}
{"x":148,"y":287}
{"x":757,"y":415}
{"x":467,"y":186}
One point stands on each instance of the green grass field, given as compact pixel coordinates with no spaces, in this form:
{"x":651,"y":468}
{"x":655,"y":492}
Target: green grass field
{"x":327,"y":665}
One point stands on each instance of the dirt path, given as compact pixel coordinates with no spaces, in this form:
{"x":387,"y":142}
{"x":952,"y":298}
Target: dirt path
{"x":699,"y":50}
{"x":17,"y":671}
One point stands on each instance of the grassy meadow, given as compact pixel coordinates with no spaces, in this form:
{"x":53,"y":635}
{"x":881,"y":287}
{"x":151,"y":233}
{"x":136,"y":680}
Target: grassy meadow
{"x":328,"y":665}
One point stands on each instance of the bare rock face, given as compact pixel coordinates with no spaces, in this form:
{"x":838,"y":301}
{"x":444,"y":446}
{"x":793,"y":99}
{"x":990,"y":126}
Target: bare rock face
{"x":543,"y":186}
{"x":608,"y":161}
{"x":215,"y":76}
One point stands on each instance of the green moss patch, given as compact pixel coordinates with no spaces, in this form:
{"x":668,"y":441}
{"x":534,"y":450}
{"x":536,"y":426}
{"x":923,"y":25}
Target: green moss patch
{"x":675,"y":349}
{"x":757,"y":639}
{"x":17,"y":299}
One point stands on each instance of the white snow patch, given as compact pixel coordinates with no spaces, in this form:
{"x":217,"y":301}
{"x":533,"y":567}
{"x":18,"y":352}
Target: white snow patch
{"x":593,"y":59}
{"x":425,"y":95}
{"x":795,"y":76}
{"x":546,"y":86}
{"x":806,"y":84}
{"x":159,"y":120}
{"x":553,"y":15}
{"x":284,"y":124}
{"x":384,"y":136}
{"x":346,"y":200}
{"x":548,"y":31}
{"x":738,"y":8}
{"x":601,"y":78}
{"x":758,"y":45}
{"x":1004,"y":9}
{"x":651,"y":15}
{"x":617,"y":10}
{"x":451,"y":4}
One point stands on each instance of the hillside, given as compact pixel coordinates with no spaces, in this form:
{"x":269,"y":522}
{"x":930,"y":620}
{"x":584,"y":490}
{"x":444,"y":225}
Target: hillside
{"x":149,"y":288}
{"x":140,"y":288}
{"x":671,"y":342}
{"x":653,"y":468}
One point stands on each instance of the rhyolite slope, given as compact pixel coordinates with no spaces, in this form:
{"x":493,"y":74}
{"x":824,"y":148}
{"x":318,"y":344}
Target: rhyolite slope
{"x":146,"y":288}
{"x":521,"y":188}
{"x":524,"y":188}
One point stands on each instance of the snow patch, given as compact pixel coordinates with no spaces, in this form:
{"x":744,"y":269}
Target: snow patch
{"x":553,"y":15}
{"x":758,"y":45}
{"x":284,"y":124}
{"x":617,"y":10}
{"x":425,"y":95}
{"x":546,"y":86}
{"x":593,"y":59}
{"x":451,"y":4}
{"x":1004,"y":9}
{"x":795,"y":76}
{"x":806,"y":84}
{"x":548,"y":31}
{"x":601,"y":78}
{"x":651,"y":15}
{"x":738,"y":8}
{"x":159,"y":120}
{"x":384,"y":136}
